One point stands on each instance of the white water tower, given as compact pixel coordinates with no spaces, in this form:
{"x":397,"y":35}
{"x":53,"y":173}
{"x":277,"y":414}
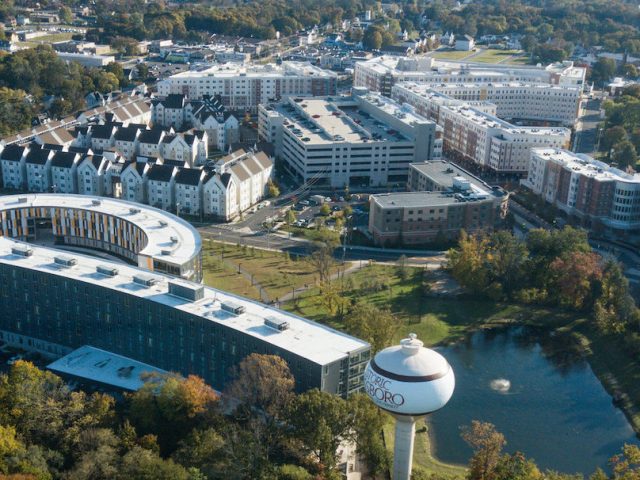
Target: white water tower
{"x":409,"y":381}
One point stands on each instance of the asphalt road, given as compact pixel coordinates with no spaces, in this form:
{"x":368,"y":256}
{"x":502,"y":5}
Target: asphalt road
{"x":587,"y":134}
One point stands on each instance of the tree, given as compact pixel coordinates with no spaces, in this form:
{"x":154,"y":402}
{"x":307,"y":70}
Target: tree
{"x":262,"y":383}
{"x":624,"y":155}
{"x":574,"y":276}
{"x":612,"y":136}
{"x":323,"y":262}
{"x":65,"y":14}
{"x":466,"y":262}
{"x":375,"y":325}
{"x":325,"y":210}
{"x":169,"y":406}
{"x":143,"y":71}
{"x":332,"y":423}
{"x":629,"y":70}
{"x":487,"y":444}
{"x":603,"y":70}
{"x":615,"y":310}
{"x":274,"y":191}
{"x":143,"y":464}
{"x":290,"y":217}
{"x":368,"y":423}
{"x":403,"y":271}
{"x":506,"y":259}
{"x":15,"y":111}
{"x":372,"y":38}
{"x":205,"y":450}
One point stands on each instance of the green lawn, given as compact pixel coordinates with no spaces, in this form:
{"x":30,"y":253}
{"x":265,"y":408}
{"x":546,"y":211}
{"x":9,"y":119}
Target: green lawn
{"x":422,"y":458}
{"x":450,"y":54}
{"x":274,"y":271}
{"x":219,"y":275}
{"x":492,"y":55}
{"x":51,"y":38}
{"x":434,"y":320}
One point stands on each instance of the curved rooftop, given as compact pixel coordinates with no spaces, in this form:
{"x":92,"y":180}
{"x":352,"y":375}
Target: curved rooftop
{"x":169,"y":238}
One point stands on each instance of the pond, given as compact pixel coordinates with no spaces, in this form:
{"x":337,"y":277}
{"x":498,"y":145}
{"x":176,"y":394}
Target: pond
{"x":539,"y":392}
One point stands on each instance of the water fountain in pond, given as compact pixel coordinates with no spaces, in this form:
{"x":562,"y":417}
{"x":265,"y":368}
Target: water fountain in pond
{"x":501,"y":385}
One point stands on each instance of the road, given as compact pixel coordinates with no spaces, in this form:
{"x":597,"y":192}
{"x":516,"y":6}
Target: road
{"x":587,"y":128}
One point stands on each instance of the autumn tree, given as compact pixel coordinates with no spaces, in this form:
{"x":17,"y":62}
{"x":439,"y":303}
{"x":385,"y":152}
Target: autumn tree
{"x":373,"y":324}
{"x":487,"y":444}
{"x":322,"y":262}
{"x":170,"y":406}
{"x":575,"y":275}
{"x":466,"y":262}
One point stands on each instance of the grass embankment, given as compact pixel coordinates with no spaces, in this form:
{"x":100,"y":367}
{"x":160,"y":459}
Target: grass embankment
{"x":274,"y":271}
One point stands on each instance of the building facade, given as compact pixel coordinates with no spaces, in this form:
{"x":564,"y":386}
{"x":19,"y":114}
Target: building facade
{"x":364,"y":139}
{"x":55,"y":303}
{"x":245,"y":87}
{"x":601,"y":196}
{"x":444,"y":199}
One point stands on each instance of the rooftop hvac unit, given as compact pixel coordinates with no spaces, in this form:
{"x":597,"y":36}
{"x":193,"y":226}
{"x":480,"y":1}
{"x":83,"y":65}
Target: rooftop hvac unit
{"x":165,"y":252}
{"x":276,"y":323}
{"x":107,"y":270}
{"x":145,"y":280}
{"x":188,"y":291}
{"x":163,"y":223}
{"x":22,"y":250}
{"x":133,"y":211}
{"x":233,"y":308}
{"x":95,"y":202}
{"x":174,"y":239}
{"x":22,"y":199}
{"x":65,"y":261}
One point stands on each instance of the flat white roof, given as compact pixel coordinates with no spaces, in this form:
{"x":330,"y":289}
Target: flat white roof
{"x":310,"y":340}
{"x":105,"y":367}
{"x":147,"y":218}
{"x":586,"y":165}
{"x":293,"y":69}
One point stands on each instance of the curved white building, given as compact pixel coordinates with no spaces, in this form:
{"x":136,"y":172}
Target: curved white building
{"x":145,"y":236}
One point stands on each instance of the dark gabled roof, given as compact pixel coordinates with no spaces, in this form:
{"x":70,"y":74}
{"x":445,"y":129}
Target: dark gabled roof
{"x":174,"y":163}
{"x":96,"y":160}
{"x":80,"y":150}
{"x":189,"y":138}
{"x":52,"y":146}
{"x":189,"y":176}
{"x":102,"y":131}
{"x":169,"y":138}
{"x":174,"y":100}
{"x":12,"y":152}
{"x":161,"y":173}
{"x":152,"y":136}
{"x":63,"y":159}
{"x":127,"y":134}
{"x":38,"y":156}
{"x":225,"y":178}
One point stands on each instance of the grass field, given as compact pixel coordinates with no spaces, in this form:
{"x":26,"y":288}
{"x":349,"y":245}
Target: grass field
{"x":274,"y":271}
{"x":451,"y":55}
{"x":51,"y":38}
{"x":495,"y":56}
{"x":422,"y":458}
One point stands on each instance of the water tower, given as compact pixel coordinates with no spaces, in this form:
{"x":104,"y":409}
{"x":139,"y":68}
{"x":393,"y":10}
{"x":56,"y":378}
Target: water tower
{"x":409,"y":381}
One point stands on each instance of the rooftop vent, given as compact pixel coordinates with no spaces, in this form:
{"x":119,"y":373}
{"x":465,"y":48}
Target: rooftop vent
{"x":107,"y":270}
{"x":22,"y":250}
{"x":96,"y":202}
{"x":22,"y":199}
{"x":65,"y":261}
{"x":145,"y":280}
{"x":233,"y":308}
{"x":276,"y":323}
{"x":166,"y":251}
{"x":174,"y":239}
{"x":163,"y":223}
{"x":133,"y":211}
{"x":188,"y":291}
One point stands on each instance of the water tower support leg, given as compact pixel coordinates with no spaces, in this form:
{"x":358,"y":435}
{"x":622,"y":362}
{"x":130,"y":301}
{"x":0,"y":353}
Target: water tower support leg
{"x":403,"y":449}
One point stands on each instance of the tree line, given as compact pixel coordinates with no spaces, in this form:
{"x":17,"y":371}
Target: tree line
{"x":27,"y":76}
{"x":557,"y":268}
{"x":177,"y":428}
{"x":621,"y":131}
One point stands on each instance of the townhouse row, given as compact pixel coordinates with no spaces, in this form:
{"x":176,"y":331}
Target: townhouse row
{"x":221,"y":190}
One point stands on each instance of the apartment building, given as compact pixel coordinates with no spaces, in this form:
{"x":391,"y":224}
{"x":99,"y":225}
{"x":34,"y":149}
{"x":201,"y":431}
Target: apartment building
{"x":380,"y":74}
{"x":600,"y":196}
{"x":91,"y":175}
{"x":13,"y":165}
{"x":188,"y":191}
{"x":364,"y":139}
{"x":444,"y":199}
{"x":64,"y":167}
{"x":38,"y":169}
{"x":474,"y":136}
{"x":160,"y":186}
{"x":243,"y":87}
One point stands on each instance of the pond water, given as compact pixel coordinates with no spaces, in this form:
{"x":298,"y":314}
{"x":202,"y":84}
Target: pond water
{"x":540,"y":394}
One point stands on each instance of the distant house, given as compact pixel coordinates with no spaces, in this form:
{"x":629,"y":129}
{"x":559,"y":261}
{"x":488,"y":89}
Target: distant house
{"x":465,"y":43}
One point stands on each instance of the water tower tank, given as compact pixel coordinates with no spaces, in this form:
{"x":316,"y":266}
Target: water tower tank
{"x":409,"y":379}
